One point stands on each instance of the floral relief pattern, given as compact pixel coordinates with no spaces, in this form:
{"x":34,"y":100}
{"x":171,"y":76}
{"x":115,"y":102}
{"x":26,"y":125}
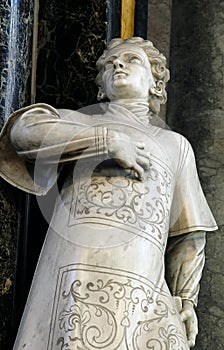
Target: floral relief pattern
{"x":114,"y":312}
{"x":139,"y":205}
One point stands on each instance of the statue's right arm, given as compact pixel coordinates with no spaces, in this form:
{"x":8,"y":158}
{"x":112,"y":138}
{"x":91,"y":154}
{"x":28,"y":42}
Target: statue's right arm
{"x":41,"y":132}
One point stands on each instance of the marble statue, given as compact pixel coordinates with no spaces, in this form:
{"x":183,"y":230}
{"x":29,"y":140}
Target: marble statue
{"x":123,"y":257}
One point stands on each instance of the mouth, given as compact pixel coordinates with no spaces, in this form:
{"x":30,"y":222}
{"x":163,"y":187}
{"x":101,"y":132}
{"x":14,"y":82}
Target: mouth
{"x":119,"y":74}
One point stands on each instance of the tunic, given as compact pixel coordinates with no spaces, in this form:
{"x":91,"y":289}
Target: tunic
{"x":100,"y":282}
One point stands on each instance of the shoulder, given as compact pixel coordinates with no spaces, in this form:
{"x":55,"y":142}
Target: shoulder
{"x":173,"y":141}
{"x":73,"y":115}
{"x":38,"y":108}
{"x":178,"y":149}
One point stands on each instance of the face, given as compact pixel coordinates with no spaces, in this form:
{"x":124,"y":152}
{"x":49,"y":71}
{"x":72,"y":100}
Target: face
{"x":127,"y":73}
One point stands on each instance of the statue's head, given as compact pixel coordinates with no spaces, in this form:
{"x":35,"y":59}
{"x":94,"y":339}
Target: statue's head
{"x":133,"y":68}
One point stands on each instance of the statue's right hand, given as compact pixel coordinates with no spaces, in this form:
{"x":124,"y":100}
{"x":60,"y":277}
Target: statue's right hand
{"x":127,"y":153}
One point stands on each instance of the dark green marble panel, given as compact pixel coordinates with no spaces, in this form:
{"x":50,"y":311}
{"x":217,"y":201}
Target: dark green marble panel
{"x":15,"y":54}
{"x":16,"y":21}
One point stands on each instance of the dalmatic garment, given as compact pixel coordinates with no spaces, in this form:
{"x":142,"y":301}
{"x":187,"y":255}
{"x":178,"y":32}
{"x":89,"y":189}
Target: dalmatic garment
{"x":100,"y":281}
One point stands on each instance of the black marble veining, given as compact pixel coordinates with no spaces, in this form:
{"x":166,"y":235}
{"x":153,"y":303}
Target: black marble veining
{"x":71,"y":37}
{"x":16,"y":26}
{"x":15,"y":54}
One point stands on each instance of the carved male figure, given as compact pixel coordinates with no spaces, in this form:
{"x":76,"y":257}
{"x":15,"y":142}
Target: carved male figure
{"x":124,"y":253}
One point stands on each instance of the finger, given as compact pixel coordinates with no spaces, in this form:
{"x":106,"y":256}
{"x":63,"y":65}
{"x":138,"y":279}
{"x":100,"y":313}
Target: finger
{"x":139,"y":171}
{"x":186,"y":315}
{"x":143,"y":153}
{"x":191,"y":342}
{"x":144,"y":162}
{"x":191,"y":338}
{"x":140,"y":145}
{"x":192,"y":331}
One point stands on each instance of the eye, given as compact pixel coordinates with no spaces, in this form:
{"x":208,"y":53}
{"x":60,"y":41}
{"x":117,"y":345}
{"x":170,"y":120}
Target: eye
{"x":108,"y":64}
{"x":134,"y":59}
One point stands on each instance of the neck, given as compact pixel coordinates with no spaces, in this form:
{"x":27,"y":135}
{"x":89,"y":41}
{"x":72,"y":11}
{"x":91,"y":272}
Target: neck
{"x":130,"y":100}
{"x":138,"y":106}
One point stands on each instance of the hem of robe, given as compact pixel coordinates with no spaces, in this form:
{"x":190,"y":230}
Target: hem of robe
{"x":194,"y":228}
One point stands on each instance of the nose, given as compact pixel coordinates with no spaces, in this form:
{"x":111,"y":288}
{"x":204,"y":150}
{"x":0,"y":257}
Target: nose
{"x":118,"y":63}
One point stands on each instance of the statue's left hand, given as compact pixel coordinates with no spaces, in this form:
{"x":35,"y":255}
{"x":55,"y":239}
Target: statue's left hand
{"x":189,"y":317}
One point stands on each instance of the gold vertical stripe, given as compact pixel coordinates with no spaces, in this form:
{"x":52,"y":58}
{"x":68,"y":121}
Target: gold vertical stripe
{"x":127,"y":18}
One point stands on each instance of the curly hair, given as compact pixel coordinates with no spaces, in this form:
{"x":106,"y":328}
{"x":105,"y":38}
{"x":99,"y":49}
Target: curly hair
{"x":157,"y":60}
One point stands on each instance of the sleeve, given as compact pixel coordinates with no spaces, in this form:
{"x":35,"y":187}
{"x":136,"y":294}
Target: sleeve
{"x":184,"y":265}
{"x":189,"y":211}
{"x":36,"y":140}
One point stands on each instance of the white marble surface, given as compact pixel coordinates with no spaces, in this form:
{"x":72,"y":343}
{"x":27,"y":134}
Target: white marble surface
{"x":131,"y":198}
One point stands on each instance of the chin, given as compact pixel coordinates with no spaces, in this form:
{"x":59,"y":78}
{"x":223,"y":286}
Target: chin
{"x":120,"y":82}
{"x":122,"y":89}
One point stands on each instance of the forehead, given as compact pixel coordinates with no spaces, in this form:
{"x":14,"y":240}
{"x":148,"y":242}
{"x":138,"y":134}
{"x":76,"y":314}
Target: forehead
{"x":127,"y":48}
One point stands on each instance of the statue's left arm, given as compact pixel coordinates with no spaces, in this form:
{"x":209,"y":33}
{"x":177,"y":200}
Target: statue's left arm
{"x":185,"y":259}
{"x":190,"y":218}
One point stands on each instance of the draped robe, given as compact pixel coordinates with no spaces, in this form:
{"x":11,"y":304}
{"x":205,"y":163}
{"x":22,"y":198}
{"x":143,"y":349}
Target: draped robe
{"x":100,"y":282}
